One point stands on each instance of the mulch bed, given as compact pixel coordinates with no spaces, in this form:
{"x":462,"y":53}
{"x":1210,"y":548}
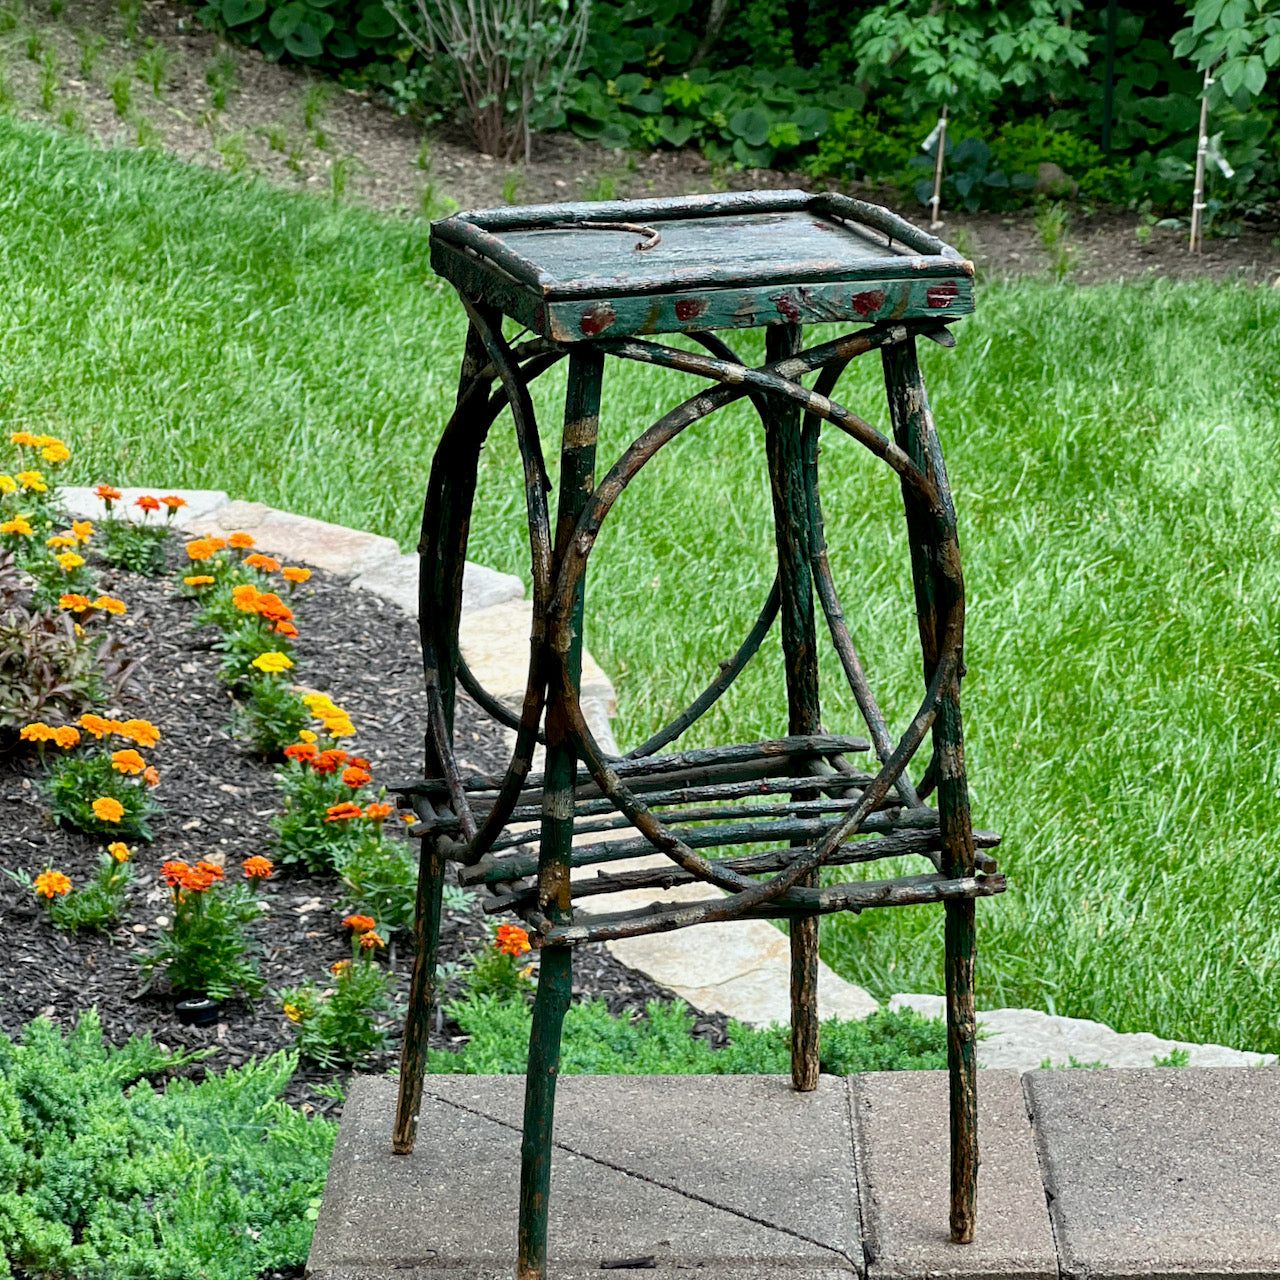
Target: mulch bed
{"x":218,"y":797}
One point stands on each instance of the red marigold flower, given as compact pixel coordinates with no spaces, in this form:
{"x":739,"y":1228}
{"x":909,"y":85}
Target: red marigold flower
{"x":302,"y":752}
{"x":354,"y":777}
{"x":107,"y":493}
{"x":52,"y":884}
{"x":197,"y":881}
{"x":148,"y":503}
{"x":173,"y":502}
{"x":511,"y":940}
{"x":107,"y":809}
{"x":127,"y":761}
{"x":257,"y":867}
{"x":359,"y":762}
{"x":210,"y":869}
{"x":342,"y":812}
{"x":240,"y":541}
{"x":379,"y":812}
{"x":359,"y":924}
{"x":370,"y":940}
{"x":174,"y":872}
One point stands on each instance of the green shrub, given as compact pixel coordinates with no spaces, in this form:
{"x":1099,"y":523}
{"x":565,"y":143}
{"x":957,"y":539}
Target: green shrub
{"x":106,"y":1170}
{"x":380,"y":878}
{"x":597,"y":1043}
{"x":339,"y":1025}
{"x":327,"y":33}
{"x":78,"y":783}
{"x":271,"y":715}
{"x":101,"y":903}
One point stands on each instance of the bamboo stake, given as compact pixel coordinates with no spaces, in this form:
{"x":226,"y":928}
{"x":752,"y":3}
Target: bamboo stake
{"x":1196,"y":243}
{"x":938,"y":161}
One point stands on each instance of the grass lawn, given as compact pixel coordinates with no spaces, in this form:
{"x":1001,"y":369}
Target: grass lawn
{"x":1112,"y":453}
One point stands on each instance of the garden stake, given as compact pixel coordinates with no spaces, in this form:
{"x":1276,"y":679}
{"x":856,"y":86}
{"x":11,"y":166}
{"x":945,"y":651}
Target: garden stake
{"x":940,"y":132}
{"x":1196,"y":239}
{"x":575,"y":277}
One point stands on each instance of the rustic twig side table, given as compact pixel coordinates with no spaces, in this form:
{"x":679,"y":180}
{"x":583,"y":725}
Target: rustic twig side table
{"x":587,"y":281}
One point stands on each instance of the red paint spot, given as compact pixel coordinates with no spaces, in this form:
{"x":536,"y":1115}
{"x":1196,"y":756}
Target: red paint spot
{"x":788,"y":306}
{"x":941,"y":294}
{"x":597,"y":320}
{"x":865,"y":303}
{"x":690,"y":309}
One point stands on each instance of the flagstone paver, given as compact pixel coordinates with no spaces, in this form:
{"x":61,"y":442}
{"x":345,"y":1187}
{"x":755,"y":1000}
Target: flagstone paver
{"x":1172,"y":1172}
{"x":397,"y":581}
{"x":83,"y":504}
{"x":901,"y":1132}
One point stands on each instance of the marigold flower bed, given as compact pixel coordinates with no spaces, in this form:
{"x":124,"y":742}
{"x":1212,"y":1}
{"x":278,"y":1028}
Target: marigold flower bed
{"x":217,"y":799}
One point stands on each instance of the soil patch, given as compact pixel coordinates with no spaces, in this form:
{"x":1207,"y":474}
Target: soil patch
{"x":218,"y":798}
{"x":356,"y":148}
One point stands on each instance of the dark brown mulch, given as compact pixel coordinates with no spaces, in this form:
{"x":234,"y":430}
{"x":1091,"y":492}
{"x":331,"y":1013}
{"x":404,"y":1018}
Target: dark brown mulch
{"x":218,"y":798}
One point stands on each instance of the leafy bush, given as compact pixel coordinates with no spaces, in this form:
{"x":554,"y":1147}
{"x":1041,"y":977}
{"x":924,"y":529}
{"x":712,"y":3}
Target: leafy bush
{"x":78,"y":786}
{"x":271,"y":716}
{"x":380,"y":877}
{"x":327,"y":33}
{"x":597,"y":1043}
{"x":339,"y":1025}
{"x":107,"y":1170}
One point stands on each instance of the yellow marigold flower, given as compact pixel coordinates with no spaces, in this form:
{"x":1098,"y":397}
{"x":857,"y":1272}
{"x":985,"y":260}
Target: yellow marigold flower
{"x":199,"y":580}
{"x":33,"y":480}
{"x":37,"y":731}
{"x":340,"y":968}
{"x":370,"y":940}
{"x":339,"y":726}
{"x":127,"y":761}
{"x":67,"y":736}
{"x":8,"y":484}
{"x":201,"y":549}
{"x":292,"y":573}
{"x":108,"y":809}
{"x":273,"y":663}
{"x":119,"y":850}
{"x":51,"y":884}
{"x":143,"y":732}
{"x":315,"y":701}
{"x":292,"y":1012}
{"x":240,"y":541}
{"x":55,"y":452}
{"x":305,"y":735}
{"x":83,"y":529}
{"x":69,"y":560}
{"x":19,"y":525}
{"x":60,"y":540}
{"x":109,"y":604}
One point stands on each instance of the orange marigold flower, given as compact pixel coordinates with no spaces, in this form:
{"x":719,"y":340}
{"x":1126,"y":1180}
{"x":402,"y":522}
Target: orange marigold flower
{"x":210,"y":869}
{"x":342,"y":812}
{"x":330,"y":761}
{"x":258,"y":561}
{"x":148,"y":503}
{"x":38,"y":731}
{"x":271,"y":607}
{"x":23,"y":437}
{"x":127,"y":761}
{"x":340,"y":968}
{"x":69,"y":560}
{"x":51,"y":884}
{"x":197,"y":881}
{"x":370,"y":940}
{"x":119,"y":850}
{"x":201,"y":549}
{"x":143,"y":732}
{"x":240,"y":541}
{"x":354,"y":777}
{"x":257,"y":867}
{"x":107,"y":493}
{"x":151,"y":776}
{"x":360,"y":762}
{"x":200,"y":580}
{"x":67,"y":737}
{"x":286,"y":629}
{"x":19,"y":525}
{"x":408,"y":818}
{"x":301,"y":752}
{"x":97,"y":725}
{"x":511,"y":940}
{"x":83,"y":529}
{"x":292,"y":573}
{"x":218,"y":544}
{"x":379,"y":812}
{"x":173,"y":502}
{"x":75,"y":602}
{"x":108,"y":809}
{"x":60,"y":540}
{"x":109,"y":604}
{"x":359,"y":924}
{"x":245,"y":597}
{"x":173,"y":873}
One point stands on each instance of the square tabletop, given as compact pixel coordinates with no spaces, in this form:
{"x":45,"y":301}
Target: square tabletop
{"x":737,"y":260}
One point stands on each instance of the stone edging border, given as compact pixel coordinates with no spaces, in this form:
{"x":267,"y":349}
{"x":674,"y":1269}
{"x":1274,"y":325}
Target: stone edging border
{"x":743,"y":969}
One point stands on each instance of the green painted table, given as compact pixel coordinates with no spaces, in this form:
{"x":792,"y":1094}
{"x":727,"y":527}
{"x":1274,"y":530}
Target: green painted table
{"x":588,"y":282}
